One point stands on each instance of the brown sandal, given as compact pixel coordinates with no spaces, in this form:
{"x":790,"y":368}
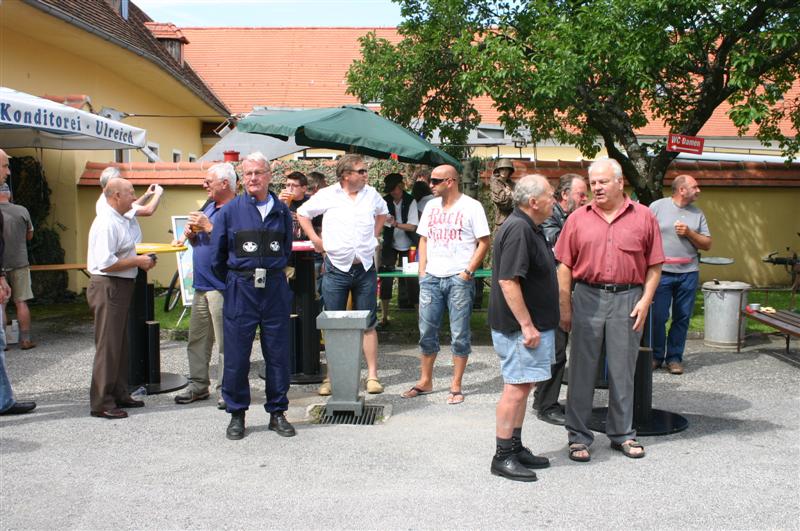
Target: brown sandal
{"x":574,"y":448}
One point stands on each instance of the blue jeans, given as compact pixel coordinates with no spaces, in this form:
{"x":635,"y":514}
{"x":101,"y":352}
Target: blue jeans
{"x":6,"y":393}
{"x":676,"y":290}
{"x":456,"y":295}
{"x":337,"y":286}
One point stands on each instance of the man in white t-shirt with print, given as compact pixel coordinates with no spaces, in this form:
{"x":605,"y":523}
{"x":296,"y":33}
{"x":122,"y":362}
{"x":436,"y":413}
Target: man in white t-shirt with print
{"x":454,"y":239}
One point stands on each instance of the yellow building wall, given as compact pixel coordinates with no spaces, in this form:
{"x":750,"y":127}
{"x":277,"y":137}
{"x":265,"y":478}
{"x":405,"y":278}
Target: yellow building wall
{"x":33,"y":66}
{"x":747,"y":224}
{"x":176,"y":201}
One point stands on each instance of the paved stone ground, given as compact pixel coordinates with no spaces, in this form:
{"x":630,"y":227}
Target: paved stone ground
{"x":425,"y":467}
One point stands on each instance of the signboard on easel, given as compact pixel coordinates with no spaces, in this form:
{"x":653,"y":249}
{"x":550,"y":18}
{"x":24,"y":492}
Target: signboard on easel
{"x":185,"y":267}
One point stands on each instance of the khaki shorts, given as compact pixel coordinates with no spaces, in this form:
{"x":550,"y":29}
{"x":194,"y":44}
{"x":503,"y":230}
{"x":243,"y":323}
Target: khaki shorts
{"x":20,"y":282}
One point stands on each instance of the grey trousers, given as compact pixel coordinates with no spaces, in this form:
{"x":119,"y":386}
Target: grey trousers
{"x":602,"y":317}
{"x":205,"y":329}
{"x":545,"y":396}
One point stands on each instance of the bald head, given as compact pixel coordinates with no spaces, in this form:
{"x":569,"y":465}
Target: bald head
{"x":5,"y":171}
{"x":445,"y":171}
{"x":444,"y":182}
{"x":119,"y":194}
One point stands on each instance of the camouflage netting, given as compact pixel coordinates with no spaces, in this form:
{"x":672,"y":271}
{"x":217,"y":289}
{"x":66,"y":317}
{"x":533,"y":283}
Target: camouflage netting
{"x":30,"y":190}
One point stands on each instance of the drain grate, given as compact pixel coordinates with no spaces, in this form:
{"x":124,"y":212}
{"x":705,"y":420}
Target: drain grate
{"x":367,"y":418}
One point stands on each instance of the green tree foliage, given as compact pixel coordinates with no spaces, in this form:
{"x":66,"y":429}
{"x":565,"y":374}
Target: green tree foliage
{"x":589,"y":73}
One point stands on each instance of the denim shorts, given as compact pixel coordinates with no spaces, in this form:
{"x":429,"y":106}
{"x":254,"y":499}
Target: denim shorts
{"x":363,"y":284}
{"x":520,"y":364}
{"x":436,"y":294}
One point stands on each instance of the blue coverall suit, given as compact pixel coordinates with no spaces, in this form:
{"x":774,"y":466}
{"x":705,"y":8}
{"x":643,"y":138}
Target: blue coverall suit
{"x":243,"y":242}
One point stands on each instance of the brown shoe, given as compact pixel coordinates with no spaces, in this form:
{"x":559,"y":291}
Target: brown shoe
{"x":675,"y":367}
{"x":27,"y":345}
{"x":110,"y":414}
{"x":656,"y":365}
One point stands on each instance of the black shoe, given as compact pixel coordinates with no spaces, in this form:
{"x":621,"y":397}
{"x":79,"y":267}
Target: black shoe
{"x":281,"y":426}
{"x":553,"y":416}
{"x":509,"y":467}
{"x":221,"y":404}
{"x":527,"y":459}
{"x":235,"y":429}
{"x":20,"y":408}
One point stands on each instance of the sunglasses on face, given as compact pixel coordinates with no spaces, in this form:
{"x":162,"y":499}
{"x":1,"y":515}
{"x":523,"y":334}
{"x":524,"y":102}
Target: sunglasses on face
{"x":437,"y":182}
{"x":360,"y":172}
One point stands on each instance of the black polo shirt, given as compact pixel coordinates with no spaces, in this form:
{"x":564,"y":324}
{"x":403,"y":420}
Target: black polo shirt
{"x":521,"y":251}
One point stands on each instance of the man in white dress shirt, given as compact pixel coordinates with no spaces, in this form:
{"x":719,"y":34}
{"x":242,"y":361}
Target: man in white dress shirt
{"x":113,"y":263}
{"x":353,"y":214}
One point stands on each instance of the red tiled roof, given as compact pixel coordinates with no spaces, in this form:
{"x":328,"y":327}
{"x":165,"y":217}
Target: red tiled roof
{"x":707,"y":173}
{"x":307,"y":67}
{"x":166,"y":30}
{"x":744,"y":174}
{"x":277,"y":67}
{"x":146,"y":173}
{"x":101,"y":19}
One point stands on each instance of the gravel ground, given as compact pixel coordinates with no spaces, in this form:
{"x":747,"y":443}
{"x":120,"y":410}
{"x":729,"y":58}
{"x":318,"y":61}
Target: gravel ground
{"x":425,"y":467}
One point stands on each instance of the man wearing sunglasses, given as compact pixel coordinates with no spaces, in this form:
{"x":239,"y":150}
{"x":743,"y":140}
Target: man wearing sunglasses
{"x":353,"y":213}
{"x":454,"y":239}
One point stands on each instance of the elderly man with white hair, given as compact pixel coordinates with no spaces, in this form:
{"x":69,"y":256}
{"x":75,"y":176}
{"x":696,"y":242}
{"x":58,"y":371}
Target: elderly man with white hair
{"x":205,"y":326}
{"x":252,"y":242}
{"x":611,"y":251}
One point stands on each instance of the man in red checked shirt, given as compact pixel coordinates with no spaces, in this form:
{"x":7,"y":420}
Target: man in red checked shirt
{"x":611,"y":249}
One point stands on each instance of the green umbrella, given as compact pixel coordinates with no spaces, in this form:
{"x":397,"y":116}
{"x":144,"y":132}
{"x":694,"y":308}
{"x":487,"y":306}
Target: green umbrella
{"x":350,"y":128}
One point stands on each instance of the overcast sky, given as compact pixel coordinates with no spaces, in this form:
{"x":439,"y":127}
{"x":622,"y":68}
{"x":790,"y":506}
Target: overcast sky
{"x":185,"y":13}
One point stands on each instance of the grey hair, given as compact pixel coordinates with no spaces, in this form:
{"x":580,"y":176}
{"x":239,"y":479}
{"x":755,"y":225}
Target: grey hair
{"x":109,"y":173}
{"x":257,"y":156}
{"x":224,"y":170}
{"x":565,"y":183}
{"x":532,"y":185}
{"x":615,"y":167}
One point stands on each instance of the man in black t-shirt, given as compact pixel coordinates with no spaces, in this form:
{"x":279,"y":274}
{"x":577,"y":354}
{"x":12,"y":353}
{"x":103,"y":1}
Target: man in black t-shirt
{"x":523,"y":316}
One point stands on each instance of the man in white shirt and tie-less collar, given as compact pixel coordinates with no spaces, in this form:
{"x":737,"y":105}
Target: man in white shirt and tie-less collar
{"x":353,"y":214}
{"x":113,"y":264}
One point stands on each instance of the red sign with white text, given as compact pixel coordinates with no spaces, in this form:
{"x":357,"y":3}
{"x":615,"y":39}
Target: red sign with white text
{"x":685,"y":144}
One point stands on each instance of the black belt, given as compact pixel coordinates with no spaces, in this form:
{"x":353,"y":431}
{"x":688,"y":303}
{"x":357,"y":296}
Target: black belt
{"x":250,"y":273}
{"x":613,"y":288}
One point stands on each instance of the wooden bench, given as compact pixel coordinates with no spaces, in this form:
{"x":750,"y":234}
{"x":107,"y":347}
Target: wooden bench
{"x":786,"y":322}
{"x":61,"y":267}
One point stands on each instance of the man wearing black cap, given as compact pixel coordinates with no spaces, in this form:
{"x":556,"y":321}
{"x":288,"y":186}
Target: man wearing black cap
{"x":399,"y":235}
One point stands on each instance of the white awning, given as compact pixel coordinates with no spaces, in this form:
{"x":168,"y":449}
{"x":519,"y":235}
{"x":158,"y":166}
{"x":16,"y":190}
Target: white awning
{"x":30,"y":121}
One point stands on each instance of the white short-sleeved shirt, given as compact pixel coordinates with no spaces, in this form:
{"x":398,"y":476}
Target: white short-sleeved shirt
{"x":348,"y":226}
{"x":452,"y":234}
{"x":112,"y":238}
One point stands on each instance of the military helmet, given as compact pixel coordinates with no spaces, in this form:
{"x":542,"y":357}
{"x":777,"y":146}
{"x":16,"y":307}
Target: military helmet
{"x":503,"y":163}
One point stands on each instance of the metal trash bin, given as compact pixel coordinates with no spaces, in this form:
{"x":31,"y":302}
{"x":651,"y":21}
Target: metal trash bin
{"x":344,"y":332}
{"x":724,"y":301}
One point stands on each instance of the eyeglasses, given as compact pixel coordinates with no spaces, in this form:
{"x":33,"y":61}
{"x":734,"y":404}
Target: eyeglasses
{"x":360,"y":172}
{"x":255,"y":173}
{"x":437,"y":182}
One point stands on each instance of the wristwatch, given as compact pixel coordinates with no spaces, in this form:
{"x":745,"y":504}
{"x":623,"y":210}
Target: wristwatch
{"x":469,"y":273}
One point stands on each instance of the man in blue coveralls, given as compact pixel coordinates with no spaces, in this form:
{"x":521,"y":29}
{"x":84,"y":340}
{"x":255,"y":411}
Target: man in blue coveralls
{"x":253,"y":240}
